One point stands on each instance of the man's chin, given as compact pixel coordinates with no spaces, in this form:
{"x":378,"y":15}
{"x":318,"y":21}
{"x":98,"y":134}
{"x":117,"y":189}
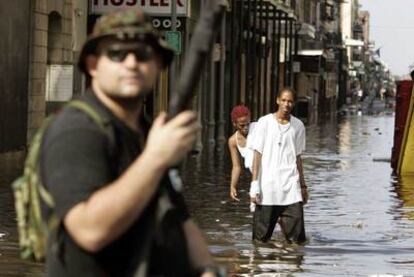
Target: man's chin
{"x":130,"y":91}
{"x":133,"y":92}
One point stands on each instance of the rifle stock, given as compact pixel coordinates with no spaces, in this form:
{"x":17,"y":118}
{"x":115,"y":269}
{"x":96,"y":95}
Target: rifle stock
{"x":200,"y":46}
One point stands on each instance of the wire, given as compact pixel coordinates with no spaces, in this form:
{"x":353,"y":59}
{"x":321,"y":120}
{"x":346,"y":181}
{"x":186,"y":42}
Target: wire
{"x":393,"y":27}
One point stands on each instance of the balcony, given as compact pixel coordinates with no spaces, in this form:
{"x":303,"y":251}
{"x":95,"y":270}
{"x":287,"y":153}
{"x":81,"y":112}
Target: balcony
{"x":287,"y":6}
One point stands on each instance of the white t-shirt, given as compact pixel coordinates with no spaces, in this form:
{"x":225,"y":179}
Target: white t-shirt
{"x":279,"y":145}
{"x":246,"y":152}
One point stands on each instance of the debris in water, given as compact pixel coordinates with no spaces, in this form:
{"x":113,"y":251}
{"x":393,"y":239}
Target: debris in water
{"x":383,"y":160}
{"x":358,"y":224}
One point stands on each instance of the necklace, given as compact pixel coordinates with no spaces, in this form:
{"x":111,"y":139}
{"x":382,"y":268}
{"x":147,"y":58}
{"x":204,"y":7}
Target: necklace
{"x":282,"y":131}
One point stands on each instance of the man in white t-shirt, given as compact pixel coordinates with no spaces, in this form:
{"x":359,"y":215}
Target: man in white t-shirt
{"x":278,"y":186}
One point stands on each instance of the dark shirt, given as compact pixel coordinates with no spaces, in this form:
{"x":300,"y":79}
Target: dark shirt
{"x":79,"y":158}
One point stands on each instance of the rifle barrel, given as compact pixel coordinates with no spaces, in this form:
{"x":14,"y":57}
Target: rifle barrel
{"x":200,"y":47}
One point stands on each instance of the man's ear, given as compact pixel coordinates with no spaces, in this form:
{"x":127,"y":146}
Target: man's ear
{"x":91,"y":62}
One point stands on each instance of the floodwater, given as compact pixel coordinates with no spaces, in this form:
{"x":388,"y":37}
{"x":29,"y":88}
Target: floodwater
{"x":10,"y":263}
{"x":359,"y":219}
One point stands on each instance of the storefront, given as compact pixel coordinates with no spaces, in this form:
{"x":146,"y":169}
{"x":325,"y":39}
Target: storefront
{"x":263,"y":43}
{"x":161,"y":13}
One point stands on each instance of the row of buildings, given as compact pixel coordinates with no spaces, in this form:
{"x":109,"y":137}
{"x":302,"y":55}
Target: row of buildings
{"x":319,"y":47}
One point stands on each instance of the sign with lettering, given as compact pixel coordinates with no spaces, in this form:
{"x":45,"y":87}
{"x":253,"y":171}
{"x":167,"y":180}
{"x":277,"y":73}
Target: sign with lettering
{"x":151,"y":7}
{"x":59,"y":82}
{"x":174,"y":40}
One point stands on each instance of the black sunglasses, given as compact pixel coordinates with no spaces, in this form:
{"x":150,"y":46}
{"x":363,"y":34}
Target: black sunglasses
{"x":143,"y":53}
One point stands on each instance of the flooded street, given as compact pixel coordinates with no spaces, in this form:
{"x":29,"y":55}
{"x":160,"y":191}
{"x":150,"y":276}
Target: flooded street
{"x":10,"y":262}
{"x":359,"y":220}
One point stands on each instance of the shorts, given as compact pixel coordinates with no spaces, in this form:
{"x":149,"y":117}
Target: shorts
{"x":291,"y":217}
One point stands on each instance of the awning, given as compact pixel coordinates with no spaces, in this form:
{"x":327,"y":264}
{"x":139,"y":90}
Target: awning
{"x":311,"y":52}
{"x":310,"y":60}
{"x":354,"y":42}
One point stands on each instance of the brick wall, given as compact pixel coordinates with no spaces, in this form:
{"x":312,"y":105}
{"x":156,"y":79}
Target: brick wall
{"x":42,"y":53}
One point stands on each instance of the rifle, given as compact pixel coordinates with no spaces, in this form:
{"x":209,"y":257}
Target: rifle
{"x":200,"y":46}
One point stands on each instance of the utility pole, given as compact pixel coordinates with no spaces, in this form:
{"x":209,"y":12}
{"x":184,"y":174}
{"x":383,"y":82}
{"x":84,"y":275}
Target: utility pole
{"x":172,"y":68}
{"x":174,"y":15}
{"x":221,"y":132}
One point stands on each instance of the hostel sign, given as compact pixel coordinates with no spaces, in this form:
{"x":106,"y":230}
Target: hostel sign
{"x":151,"y":7}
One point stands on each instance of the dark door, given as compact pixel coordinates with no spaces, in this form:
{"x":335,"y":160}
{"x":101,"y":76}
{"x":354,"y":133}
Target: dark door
{"x":14,"y":64}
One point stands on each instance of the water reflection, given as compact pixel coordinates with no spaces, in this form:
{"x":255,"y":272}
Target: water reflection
{"x":405,"y":192}
{"x":10,"y":263}
{"x":359,"y":219}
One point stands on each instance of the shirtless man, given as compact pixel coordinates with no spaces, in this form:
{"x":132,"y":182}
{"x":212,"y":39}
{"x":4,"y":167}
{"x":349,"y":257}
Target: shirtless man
{"x":240,"y":117}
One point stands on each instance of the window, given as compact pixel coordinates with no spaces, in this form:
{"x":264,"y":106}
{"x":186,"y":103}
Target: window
{"x":328,"y":11}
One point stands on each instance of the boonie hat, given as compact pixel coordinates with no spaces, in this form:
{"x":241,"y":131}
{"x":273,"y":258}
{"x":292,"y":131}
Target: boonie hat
{"x":127,"y":24}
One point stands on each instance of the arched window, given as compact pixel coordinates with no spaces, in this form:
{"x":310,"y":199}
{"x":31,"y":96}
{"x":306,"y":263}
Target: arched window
{"x":55,"y":38}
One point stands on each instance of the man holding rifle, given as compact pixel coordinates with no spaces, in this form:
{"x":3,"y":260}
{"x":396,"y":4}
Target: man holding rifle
{"x":107,"y":182}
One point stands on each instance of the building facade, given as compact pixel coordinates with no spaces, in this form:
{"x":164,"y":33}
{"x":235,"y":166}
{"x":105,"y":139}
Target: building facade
{"x":263,"y":45}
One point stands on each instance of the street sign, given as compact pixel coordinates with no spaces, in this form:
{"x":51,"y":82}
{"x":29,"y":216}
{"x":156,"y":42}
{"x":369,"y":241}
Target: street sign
{"x":151,"y":7}
{"x":296,"y":67}
{"x":174,"y":40}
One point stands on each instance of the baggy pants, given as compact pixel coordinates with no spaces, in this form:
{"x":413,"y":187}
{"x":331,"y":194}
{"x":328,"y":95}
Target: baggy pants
{"x":293,"y":226}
